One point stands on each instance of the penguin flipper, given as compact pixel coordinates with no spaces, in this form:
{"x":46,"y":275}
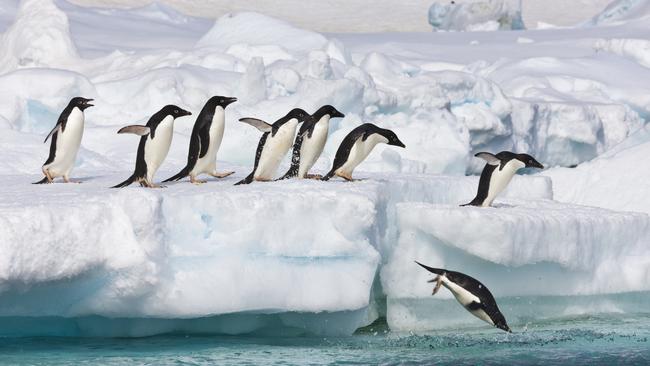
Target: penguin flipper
{"x":52,"y":132}
{"x":258,"y":123}
{"x":127,"y":182}
{"x":247,"y":180}
{"x":488,"y":157}
{"x":135,"y":129}
{"x":180,"y":175}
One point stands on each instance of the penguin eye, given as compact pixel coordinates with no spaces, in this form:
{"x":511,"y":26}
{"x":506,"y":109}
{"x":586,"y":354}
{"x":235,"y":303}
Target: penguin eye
{"x":175,"y":110}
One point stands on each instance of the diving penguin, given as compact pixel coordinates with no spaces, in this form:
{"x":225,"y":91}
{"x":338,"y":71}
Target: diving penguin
{"x":274,"y":143}
{"x":66,"y":139}
{"x":154,"y":144}
{"x":356,"y":146}
{"x":310,"y":142}
{"x":497,"y":173}
{"x":205,"y":140}
{"x":469,"y":292}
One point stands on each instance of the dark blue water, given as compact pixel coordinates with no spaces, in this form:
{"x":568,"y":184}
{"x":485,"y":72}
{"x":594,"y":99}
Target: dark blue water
{"x":602,"y":340}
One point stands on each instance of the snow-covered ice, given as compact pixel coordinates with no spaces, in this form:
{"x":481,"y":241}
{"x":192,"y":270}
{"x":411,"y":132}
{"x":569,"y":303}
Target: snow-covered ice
{"x":317,"y":257}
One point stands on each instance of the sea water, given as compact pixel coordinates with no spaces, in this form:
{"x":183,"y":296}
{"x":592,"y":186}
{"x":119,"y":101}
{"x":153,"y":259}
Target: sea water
{"x":590,"y":340}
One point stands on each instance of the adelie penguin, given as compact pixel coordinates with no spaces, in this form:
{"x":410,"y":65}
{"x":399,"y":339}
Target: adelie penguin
{"x":274,"y":144}
{"x":356,"y":146}
{"x":66,"y":139}
{"x":472,"y":294}
{"x":310,"y":142}
{"x":497,"y":173}
{"x":205,"y":140}
{"x":154,"y":144}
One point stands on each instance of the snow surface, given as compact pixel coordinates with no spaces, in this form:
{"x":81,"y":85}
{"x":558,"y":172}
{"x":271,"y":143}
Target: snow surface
{"x":218,"y":258}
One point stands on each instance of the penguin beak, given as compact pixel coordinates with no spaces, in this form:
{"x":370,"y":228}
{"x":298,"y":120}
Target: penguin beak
{"x":397,"y":143}
{"x":87,"y":103}
{"x":338,"y":114}
{"x":535,"y":164}
{"x":186,"y":113}
{"x":230,"y":101}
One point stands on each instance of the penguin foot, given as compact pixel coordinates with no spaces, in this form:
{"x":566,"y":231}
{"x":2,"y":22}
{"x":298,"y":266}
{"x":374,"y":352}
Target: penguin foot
{"x":193,"y":180}
{"x":66,"y":179}
{"x":314,"y":176}
{"x":438,"y":281}
{"x":221,"y":175}
{"x":346,"y":177}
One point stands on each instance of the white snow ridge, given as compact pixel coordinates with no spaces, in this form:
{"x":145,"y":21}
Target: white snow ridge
{"x":306,"y":257}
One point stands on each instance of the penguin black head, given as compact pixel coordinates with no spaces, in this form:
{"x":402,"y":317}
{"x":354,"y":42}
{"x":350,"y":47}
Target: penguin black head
{"x":298,"y":114}
{"x":174,"y":111}
{"x":327,"y":109}
{"x":392,"y":138}
{"x":500,"y":321}
{"x":81,"y":103}
{"x":529,"y":161}
{"x":219,"y":100}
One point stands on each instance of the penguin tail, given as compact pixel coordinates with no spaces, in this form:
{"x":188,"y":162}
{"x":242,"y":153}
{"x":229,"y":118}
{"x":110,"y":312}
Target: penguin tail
{"x":42,"y":181}
{"x":291,"y":173}
{"x":438,"y":271}
{"x":182,"y":174}
{"x":327,"y":176}
{"x":475,"y":202}
{"x":127,"y":182}
{"x":247,"y":180}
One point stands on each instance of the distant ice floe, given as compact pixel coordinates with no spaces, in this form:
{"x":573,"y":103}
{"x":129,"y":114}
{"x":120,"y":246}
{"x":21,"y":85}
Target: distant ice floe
{"x":483,"y":15}
{"x":620,"y":11}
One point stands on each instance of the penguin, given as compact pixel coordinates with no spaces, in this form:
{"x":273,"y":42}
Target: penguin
{"x":497,"y":173}
{"x":310,"y":142}
{"x":154,"y":144}
{"x":274,"y":143}
{"x":206,"y":137}
{"x":469,"y":292}
{"x":356,"y":146}
{"x":66,"y":139}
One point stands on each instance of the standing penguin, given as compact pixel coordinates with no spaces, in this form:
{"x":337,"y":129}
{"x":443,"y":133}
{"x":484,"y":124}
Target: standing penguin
{"x":310,"y":142}
{"x":66,"y":139}
{"x":274,"y":143}
{"x":205,"y":140}
{"x":154,"y":144}
{"x":469,"y":292}
{"x":356,"y":146}
{"x":497,"y":173}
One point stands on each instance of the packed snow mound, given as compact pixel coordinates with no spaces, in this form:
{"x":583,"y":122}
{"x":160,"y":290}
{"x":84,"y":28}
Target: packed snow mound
{"x":635,"y":49}
{"x":481,"y":15}
{"x":39,"y":37}
{"x":258,"y":29}
{"x":616,"y":180}
{"x":620,"y":11}
{"x":518,"y":249}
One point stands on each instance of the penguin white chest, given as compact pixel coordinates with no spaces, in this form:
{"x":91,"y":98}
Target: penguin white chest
{"x":466,"y":298}
{"x":360,"y":150}
{"x":313,"y":147}
{"x":208,"y":163}
{"x":156,"y":149}
{"x":500,"y":179}
{"x":67,"y":144}
{"x":275,"y":148}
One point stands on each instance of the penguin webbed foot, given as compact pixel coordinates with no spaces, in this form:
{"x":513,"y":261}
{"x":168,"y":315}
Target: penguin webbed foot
{"x":438,"y":281}
{"x":314,"y":176}
{"x":222,"y":175}
{"x":193,"y":180}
